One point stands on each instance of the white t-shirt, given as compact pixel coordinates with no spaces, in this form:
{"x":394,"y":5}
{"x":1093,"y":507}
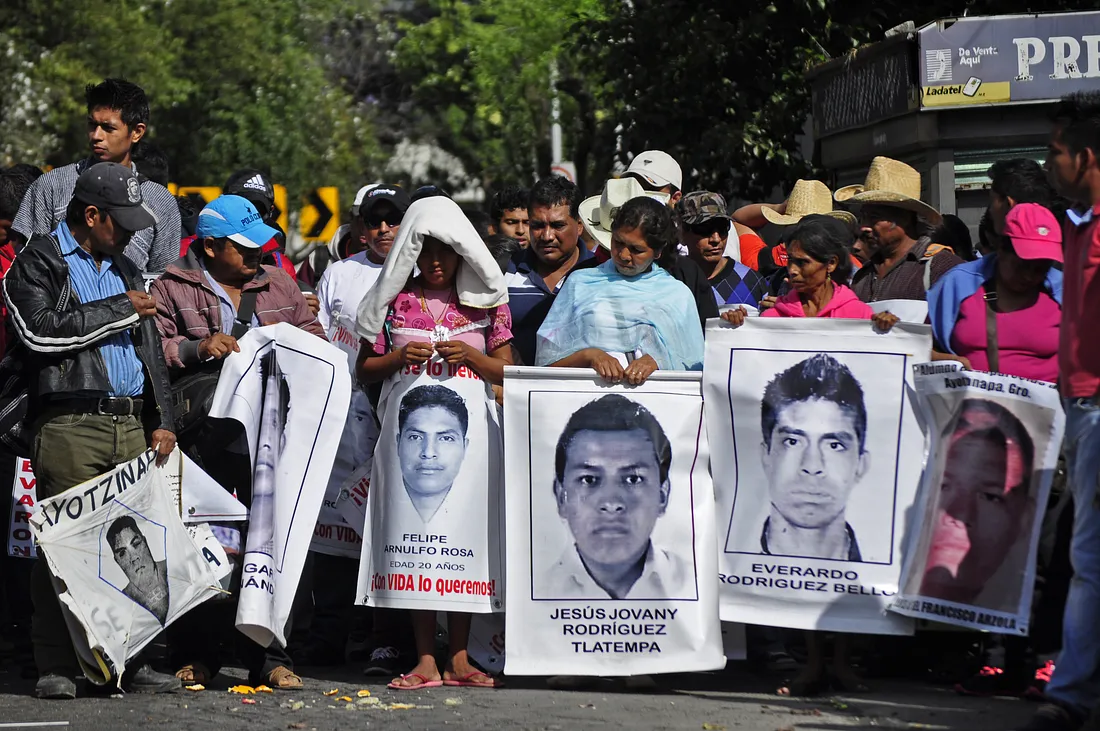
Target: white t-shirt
{"x":342,"y":287}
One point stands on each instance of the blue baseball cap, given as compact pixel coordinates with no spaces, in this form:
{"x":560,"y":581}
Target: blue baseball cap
{"x":233,"y":217}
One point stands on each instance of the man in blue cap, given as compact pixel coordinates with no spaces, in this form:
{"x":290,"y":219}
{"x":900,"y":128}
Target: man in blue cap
{"x":98,"y":385}
{"x":205,"y":302}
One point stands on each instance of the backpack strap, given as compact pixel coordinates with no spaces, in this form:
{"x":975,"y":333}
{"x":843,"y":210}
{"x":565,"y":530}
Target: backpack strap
{"x":930,"y":254}
{"x":245,"y":312}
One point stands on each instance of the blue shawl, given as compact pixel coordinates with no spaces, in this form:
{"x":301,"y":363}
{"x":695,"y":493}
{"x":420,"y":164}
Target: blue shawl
{"x":651,"y":313}
{"x":947,"y":295}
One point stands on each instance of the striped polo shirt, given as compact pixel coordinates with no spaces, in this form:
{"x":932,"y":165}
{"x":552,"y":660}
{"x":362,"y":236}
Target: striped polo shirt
{"x":151,"y":249}
{"x":529,"y":300}
{"x":91,"y":283}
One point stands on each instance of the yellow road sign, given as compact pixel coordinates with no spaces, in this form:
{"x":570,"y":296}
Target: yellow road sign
{"x":284,"y":212}
{"x":320,"y":214}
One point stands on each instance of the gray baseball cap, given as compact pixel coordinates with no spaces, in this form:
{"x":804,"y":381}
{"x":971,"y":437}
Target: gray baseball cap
{"x":116,"y":190}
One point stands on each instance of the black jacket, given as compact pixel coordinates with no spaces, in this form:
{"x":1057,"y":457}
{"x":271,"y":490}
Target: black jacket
{"x":60,"y":333}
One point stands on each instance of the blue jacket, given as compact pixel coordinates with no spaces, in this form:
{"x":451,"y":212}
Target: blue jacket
{"x":947,"y":295}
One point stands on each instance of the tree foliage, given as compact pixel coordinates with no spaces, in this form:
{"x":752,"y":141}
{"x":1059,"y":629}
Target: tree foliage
{"x":231,"y":83}
{"x":720,"y":84}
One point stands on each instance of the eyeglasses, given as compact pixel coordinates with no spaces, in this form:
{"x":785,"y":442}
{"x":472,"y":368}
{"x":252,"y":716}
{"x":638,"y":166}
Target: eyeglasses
{"x":390,"y":219}
{"x":706,"y":229}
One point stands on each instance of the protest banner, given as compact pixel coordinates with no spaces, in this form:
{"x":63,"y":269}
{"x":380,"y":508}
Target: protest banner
{"x":352,"y":501}
{"x":816,"y":456}
{"x":622,"y":581}
{"x":432,"y":534}
{"x":20,"y":539}
{"x":994,"y":442}
{"x":123,"y":563}
{"x":291,"y":391}
{"x":334,"y":535}
{"x":197,"y":495}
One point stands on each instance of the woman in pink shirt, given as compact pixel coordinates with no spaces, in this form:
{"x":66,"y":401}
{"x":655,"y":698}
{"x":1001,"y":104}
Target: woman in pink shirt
{"x":818,"y":265}
{"x":1003,"y":312}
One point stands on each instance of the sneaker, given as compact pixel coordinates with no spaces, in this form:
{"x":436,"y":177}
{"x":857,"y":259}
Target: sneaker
{"x":1053,"y":717}
{"x":146,"y":680}
{"x":55,"y":687}
{"x":1036,"y":691}
{"x":991,"y":681}
{"x":383,"y":661}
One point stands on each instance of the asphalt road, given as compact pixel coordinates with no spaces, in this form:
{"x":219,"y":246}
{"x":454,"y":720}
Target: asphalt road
{"x":732,"y":699}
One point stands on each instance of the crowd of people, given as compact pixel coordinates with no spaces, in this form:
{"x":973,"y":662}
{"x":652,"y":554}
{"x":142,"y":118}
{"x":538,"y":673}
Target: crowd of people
{"x":622,"y":282}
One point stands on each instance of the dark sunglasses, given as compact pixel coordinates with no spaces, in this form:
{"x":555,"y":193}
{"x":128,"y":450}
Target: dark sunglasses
{"x":706,"y":229}
{"x":376,"y":221}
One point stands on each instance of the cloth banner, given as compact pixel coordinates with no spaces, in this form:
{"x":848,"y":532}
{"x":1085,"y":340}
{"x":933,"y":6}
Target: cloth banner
{"x":994,"y":445}
{"x":334,"y":535}
{"x":20,"y":540}
{"x":610,"y":526}
{"x":291,"y":391}
{"x":122,"y":561}
{"x":352,"y":501}
{"x":817,"y":456}
{"x":432,"y":535}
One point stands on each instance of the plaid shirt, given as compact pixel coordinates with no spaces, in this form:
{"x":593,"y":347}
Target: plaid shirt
{"x":738,"y":285}
{"x":151,"y":249}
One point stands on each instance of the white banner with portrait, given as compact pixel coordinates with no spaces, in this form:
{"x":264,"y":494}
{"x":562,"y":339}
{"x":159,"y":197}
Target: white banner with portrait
{"x":291,"y":391}
{"x":431,"y":538}
{"x":817,"y":455}
{"x":123,"y":561}
{"x":334,"y":535}
{"x":994,"y":446}
{"x":610,"y":526}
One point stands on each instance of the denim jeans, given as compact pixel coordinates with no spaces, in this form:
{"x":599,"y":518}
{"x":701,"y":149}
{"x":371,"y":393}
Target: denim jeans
{"x":1076,"y":681}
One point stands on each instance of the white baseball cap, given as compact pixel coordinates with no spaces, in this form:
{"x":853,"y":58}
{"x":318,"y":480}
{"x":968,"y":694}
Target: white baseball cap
{"x":360,"y":196}
{"x":657,"y":168}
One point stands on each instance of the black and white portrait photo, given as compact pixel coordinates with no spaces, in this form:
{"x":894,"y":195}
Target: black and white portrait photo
{"x":612,"y":487}
{"x":146,"y":578}
{"x":808,"y":486}
{"x":431,"y":445}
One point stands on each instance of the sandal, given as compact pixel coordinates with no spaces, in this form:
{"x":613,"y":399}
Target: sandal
{"x":195,"y":673}
{"x":283,"y":678}
{"x":422,"y":682}
{"x":468,"y":681}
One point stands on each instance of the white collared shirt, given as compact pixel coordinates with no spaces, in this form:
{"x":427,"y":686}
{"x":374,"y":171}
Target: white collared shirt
{"x":664,"y":576}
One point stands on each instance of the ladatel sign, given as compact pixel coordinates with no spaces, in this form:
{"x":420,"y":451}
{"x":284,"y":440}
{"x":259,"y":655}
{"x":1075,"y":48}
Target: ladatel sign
{"x":1008,"y":59}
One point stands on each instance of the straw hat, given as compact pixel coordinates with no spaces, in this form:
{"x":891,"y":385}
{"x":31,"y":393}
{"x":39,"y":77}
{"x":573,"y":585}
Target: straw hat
{"x":891,"y":183}
{"x":808,"y":196}
{"x":599,"y":211}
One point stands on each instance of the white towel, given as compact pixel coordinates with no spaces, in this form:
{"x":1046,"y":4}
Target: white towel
{"x":479,"y":280}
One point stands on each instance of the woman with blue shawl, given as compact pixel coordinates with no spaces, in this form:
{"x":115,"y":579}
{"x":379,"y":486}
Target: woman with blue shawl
{"x":627,"y":317}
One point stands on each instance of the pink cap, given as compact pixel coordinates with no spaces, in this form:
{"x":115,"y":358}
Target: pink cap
{"x":1034,"y":232}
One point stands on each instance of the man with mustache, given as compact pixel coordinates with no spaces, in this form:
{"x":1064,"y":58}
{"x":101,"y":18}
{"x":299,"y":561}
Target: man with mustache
{"x":814,"y":424}
{"x":611,"y":484}
{"x":902,"y":263}
{"x":554,"y":228}
{"x":147,"y":579}
{"x":705,"y":228}
{"x":118,"y":118}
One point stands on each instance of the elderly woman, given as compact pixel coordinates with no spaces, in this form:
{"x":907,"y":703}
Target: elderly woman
{"x":450,"y":307}
{"x":1002,"y":312}
{"x":627,"y":317}
{"x":818,"y":268}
